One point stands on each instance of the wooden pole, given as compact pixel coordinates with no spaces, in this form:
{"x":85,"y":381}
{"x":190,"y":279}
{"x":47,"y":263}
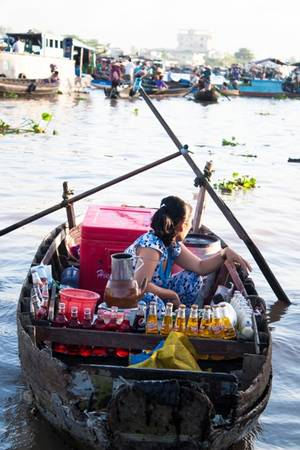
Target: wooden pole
{"x":201,"y":199}
{"x":69,"y":206}
{"x":85,"y":194}
{"x":81,"y":62}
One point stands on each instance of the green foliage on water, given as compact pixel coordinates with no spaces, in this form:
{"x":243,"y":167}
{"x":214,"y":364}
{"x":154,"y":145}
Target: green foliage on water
{"x":10,"y":95}
{"x":231,"y":142}
{"x":237,"y":182}
{"x":28,"y":126}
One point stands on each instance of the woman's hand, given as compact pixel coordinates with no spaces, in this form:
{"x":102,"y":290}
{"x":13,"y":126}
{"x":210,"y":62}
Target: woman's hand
{"x":167,"y":295}
{"x":172,"y":297}
{"x":232,"y":257}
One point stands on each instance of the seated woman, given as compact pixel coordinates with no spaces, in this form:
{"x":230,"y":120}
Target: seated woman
{"x":162,"y":246}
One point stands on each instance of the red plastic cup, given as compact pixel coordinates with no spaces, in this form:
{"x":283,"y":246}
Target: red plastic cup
{"x":81,"y":298}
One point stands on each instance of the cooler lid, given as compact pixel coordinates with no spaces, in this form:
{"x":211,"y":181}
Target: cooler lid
{"x":200,"y":240}
{"x":115,"y":223}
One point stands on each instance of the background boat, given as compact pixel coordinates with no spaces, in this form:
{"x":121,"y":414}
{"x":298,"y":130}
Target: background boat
{"x":101,"y":83}
{"x":262,"y":88}
{"x":28,"y":87}
{"x":209,"y":95}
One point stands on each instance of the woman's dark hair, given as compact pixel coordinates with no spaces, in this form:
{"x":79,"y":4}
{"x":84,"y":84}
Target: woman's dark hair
{"x":172,"y":211}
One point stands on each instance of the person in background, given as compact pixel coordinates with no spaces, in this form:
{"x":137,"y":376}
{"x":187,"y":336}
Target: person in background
{"x":163,"y":246}
{"x":115,"y":74}
{"x":54,"y":78}
{"x":159,"y":82}
{"x":18,"y":46}
{"x":140,"y":71}
{"x":194,"y":78}
{"x":129,"y":70}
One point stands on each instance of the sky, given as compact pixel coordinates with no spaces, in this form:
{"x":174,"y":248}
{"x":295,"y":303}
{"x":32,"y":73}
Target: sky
{"x":268,"y":28}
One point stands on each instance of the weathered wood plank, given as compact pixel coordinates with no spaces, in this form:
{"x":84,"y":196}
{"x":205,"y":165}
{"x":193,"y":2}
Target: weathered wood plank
{"x":131,"y":373}
{"x":53,"y":247}
{"x":137,"y":341}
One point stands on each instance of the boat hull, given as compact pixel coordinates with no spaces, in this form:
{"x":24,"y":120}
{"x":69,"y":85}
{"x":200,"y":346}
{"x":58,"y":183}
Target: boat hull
{"x":210,"y":96}
{"x":111,"y":407}
{"x":28,"y":87}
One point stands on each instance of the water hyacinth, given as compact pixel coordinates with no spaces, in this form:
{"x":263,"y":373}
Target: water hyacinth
{"x":237,"y":182}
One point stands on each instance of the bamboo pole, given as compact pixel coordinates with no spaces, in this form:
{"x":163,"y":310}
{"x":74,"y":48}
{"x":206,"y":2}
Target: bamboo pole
{"x":85,"y":194}
{"x":69,"y":206}
{"x":201,"y":199}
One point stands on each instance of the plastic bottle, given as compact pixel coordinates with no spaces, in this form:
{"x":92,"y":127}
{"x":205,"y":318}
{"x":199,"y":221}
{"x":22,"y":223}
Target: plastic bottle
{"x":99,"y":325}
{"x":37,"y":283}
{"x":60,"y":321}
{"x":180,"y":321}
{"x":205,"y":325}
{"x":229,"y":330}
{"x":139,"y":323}
{"x":125,"y":324}
{"x":74,"y":323}
{"x":192,"y":325}
{"x":112,"y":324}
{"x":151,"y":323}
{"x":42,"y":312}
{"x":167,"y":323}
{"x":123,"y":328}
{"x":70,"y":277}
{"x":35,"y":301}
{"x":86,"y":324}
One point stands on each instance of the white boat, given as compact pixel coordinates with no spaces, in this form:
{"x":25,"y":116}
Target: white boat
{"x":43,"y":51}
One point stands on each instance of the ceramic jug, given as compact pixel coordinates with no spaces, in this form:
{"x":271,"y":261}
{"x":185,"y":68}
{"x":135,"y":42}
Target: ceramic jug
{"x":122,"y":289}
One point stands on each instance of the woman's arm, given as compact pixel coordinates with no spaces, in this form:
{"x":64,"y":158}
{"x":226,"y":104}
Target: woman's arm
{"x":151,"y":259}
{"x":187,"y":260}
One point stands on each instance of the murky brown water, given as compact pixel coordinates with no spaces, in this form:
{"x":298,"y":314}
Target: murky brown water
{"x":97,"y":141}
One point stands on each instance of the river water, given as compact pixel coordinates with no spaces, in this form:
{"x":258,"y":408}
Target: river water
{"x":97,"y":140}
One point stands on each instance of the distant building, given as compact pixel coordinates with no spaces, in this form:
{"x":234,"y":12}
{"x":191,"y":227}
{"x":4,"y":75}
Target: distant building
{"x":195,"y":41}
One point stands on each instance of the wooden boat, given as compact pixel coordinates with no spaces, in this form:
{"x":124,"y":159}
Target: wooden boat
{"x":103,"y":403}
{"x":262,"y":88}
{"x":120,"y":92}
{"x":206,"y":96}
{"x":101,"y":83}
{"x":168,"y":92}
{"x":229,"y":92}
{"x":32,"y":87}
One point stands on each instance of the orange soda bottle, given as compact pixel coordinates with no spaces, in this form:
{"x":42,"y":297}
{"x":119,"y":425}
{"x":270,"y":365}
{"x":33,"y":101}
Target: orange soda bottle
{"x":180,"y":322}
{"x":151,"y":323}
{"x":192,"y":325}
{"x":217,"y":327}
{"x":229,"y":330}
{"x":205,"y":325}
{"x":167,"y":323}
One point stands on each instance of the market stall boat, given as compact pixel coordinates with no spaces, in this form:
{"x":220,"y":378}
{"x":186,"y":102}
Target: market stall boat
{"x":102,"y":403}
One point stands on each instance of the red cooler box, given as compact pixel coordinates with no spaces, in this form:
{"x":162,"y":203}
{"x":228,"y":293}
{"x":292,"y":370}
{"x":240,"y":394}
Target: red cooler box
{"x":106,"y":230}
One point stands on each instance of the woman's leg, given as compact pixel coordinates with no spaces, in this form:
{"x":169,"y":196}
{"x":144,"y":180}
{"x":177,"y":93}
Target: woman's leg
{"x":188,"y":286}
